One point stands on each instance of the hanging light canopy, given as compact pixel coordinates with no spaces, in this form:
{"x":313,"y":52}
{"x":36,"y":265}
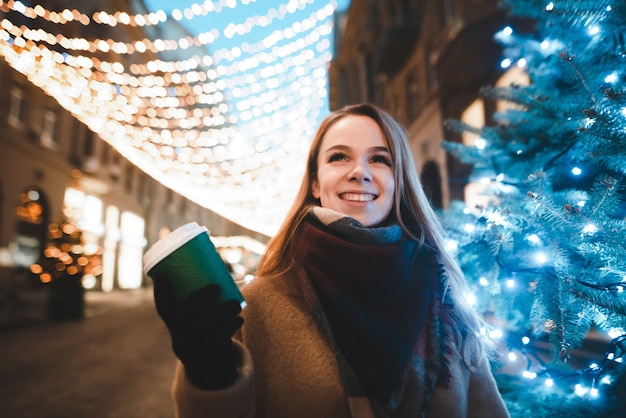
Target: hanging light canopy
{"x":227,"y":126}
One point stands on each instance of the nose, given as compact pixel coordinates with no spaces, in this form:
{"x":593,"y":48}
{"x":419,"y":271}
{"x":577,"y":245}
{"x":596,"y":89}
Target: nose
{"x":360,"y":172}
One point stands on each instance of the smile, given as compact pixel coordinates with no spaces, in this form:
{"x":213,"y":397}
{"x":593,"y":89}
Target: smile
{"x":357,"y":197}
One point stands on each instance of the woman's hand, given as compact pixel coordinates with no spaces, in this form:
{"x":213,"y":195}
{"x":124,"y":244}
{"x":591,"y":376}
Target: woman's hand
{"x":201,"y":329}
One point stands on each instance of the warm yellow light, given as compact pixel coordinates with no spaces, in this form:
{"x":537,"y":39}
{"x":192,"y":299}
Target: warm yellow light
{"x":177,"y":120}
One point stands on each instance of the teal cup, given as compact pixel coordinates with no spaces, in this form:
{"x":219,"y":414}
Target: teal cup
{"x":189,"y":261}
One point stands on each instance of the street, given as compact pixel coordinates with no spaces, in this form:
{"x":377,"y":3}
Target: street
{"x":116,"y":362}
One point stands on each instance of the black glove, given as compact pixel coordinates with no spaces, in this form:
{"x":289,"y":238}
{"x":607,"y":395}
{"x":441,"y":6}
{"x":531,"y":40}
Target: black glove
{"x":201,"y":329}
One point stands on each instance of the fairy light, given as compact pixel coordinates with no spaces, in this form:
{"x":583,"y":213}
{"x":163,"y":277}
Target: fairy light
{"x":541,"y":257}
{"x":611,"y":78}
{"x":534,"y":239}
{"x":469,"y":228}
{"x":451,"y":245}
{"x":593,"y":30}
{"x":480,"y":143}
{"x":495,"y":334}
{"x":587,"y":381}
{"x":121,"y":18}
{"x":471,"y":298}
{"x":162,"y":45}
{"x":590,"y":229}
{"x":228,"y":124}
{"x":529,"y":375}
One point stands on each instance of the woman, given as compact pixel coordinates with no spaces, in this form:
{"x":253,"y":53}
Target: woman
{"x":357,"y":310}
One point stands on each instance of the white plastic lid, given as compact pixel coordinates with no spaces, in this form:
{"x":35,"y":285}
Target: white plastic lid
{"x":168,"y":244}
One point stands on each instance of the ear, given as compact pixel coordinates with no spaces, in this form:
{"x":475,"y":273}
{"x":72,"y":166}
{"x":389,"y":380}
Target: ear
{"x":316,"y":189}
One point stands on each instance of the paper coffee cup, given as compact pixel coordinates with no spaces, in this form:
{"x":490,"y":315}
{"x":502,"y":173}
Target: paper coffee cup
{"x":188,"y":260}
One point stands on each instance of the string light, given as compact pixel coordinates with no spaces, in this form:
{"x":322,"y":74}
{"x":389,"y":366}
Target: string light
{"x":162,"y":45}
{"x":589,"y":378}
{"x":220,"y":128}
{"x":121,"y":18}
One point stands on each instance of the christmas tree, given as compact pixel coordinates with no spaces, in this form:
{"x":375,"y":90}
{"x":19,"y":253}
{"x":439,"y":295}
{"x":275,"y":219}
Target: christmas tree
{"x":545,"y":249}
{"x":62,"y":267}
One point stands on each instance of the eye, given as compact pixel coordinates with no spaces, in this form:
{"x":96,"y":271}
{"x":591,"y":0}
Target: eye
{"x":337,"y":156}
{"x":381,"y":159}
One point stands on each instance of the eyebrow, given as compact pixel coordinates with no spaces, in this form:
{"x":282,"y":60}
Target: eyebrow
{"x":347,"y":148}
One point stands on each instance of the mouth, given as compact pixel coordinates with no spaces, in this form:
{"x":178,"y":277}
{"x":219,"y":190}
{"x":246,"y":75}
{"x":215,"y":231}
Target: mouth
{"x":358,"y":197}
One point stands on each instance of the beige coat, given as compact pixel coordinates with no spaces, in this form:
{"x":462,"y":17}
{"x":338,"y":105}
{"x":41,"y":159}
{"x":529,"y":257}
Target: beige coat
{"x":295,"y":374}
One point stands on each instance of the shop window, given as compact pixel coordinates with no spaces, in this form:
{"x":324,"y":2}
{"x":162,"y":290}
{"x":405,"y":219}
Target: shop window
{"x":32,"y":223}
{"x":111,"y":240}
{"x":130,"y":263}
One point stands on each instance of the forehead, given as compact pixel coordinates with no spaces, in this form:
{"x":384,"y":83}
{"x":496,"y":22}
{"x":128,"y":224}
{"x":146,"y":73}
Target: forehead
{"x":355,"y":131}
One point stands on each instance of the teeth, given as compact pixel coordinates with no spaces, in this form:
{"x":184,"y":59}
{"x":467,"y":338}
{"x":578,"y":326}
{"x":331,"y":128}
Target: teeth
{"x":357,"y":197}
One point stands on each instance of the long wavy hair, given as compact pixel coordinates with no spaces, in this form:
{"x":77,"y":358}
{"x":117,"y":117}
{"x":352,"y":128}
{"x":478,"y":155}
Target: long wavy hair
{"x":412,"y":210}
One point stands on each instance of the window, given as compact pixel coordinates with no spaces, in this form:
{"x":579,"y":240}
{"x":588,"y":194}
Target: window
{"x":115,"y":168}
{"x":144,"y":189}
{"x":412,"y":98}
{"x":48,"y":129}
{"x":105,"y":155}
{"x":129,"y":173}
{"x":514,"y":76}
{"x":31,"y":227}
{"x":16,"y":106}
{"x":91,"y":163}
{"x":131,"y":250}
{"x":89,"y":144}
{"x":111,"y":239}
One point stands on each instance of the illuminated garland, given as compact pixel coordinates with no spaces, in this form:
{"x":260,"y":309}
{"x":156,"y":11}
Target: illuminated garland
{"x":145,"y":45}
{"x":587,"y":380}
{"x":121,"y":18}
{"x":220,"y":129}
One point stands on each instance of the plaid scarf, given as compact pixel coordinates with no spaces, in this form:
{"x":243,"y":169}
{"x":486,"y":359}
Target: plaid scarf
{"x":371,"y":291}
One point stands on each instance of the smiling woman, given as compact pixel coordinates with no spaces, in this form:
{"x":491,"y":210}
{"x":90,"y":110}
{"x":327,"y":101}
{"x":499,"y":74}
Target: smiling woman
{"x":357,"y":309}
{"x":354,"y":173}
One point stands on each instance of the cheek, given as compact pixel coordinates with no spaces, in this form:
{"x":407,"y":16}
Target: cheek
{"x":390,"y":188}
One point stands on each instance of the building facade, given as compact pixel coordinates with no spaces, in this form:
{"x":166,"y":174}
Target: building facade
{"x":425,"y":61}
{"x":54,"y":168}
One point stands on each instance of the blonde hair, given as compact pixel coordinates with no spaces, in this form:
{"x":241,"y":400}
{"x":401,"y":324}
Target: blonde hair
{"x":412,"y":211}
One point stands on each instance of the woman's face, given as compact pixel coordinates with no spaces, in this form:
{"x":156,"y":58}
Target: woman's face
{"x":354,"y":174}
